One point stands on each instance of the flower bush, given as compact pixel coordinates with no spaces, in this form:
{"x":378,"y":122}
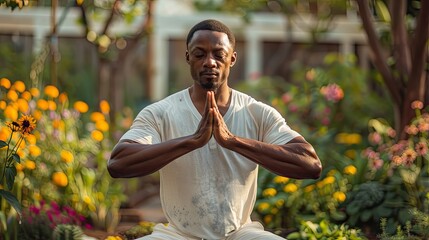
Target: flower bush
{"x":64,"y":161}
{"x":330,"y":106}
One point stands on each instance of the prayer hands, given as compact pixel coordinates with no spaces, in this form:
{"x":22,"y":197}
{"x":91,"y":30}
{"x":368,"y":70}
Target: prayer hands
{"x":212,"y":123}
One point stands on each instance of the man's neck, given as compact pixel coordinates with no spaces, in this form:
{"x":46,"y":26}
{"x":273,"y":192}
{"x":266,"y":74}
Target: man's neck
{"x":222,"y":95}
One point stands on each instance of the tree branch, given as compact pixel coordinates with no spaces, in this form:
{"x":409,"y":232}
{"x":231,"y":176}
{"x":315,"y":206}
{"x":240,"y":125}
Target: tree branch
{"x":378,"y":59}
{"x":401,"y":48}
{"x":110,"y":18}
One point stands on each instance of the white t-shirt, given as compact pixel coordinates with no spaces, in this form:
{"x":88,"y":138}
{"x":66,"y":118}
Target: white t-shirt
{"x":211,"y":191}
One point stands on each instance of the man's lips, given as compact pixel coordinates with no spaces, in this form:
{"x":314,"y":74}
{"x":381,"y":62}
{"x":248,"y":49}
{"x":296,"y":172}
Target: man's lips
{"x":209,"y":74}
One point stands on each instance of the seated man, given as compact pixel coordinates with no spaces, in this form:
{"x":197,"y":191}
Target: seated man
{"x":207,"y":141}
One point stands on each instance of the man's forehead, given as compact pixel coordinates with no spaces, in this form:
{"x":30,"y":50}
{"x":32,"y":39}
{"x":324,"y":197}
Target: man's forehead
{"x":215,"y":37}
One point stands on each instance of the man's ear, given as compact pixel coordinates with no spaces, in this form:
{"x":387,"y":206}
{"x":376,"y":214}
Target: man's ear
{"x":187,"y":56}
{"x":233,"y":58}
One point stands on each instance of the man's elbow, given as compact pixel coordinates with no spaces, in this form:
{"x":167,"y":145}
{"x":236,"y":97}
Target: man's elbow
{"x":113,"y":169}
{"x":315,"y":169}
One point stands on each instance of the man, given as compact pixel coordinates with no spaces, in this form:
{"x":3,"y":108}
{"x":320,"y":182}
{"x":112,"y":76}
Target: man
{"x":207,"y":141}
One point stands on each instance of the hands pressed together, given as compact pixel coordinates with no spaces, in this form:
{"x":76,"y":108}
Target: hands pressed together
{"x":212,"y":123}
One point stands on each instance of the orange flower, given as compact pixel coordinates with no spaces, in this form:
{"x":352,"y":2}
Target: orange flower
{"x":97,"y":116}
{"x":42,"y":104}
{"x":104,"y":107}
{"x":102,"y":126}
{"x":34,"y":151}
{"x":31,"y":165}
{"x":35,"y":92}
{"x":3,"y":104}
{"x":81,"y":106}
{"x":22,"y":105}
{"x":63,"y":98}
{"x":12,"y":95}
{"x":19,"y":86}
{"x":60,"y":179}
{"x":11,"y":113}
{"x":27,"y":123}
{"x":4,"y":82}
{"x":97,"y":135}
{"x":26,"y":95}
{"x":66,"y":156}
{"x":52,"y":105}
{"x":51,"y":91}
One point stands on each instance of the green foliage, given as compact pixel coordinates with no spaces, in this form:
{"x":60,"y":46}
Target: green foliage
{"x":67,"y":232}
{"x":13,"y":4}
{"x":142,"y":229}
{"x":324,"y":231}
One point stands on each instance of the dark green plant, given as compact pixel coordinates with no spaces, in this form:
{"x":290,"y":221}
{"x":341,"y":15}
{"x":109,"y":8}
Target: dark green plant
{"x":142,"y":229}
{"x":324,"y":231}
{"x":67,"y":232}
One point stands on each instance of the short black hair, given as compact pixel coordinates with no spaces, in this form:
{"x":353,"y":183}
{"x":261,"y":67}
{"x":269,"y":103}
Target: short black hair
{"x":212,"y":25}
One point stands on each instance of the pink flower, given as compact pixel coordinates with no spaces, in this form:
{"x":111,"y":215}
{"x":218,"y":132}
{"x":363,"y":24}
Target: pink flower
{"x":417,"y":105}
{"x":332,"y":92}
{"x":375,"y":138}
{"x":286,"y":98}
{"x":421,"y":148}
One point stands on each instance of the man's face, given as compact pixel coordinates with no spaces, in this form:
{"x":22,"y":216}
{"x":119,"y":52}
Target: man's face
{"x":210,"y":55}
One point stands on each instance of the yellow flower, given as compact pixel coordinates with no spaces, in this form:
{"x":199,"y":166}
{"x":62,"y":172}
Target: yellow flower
{"x":351,"y":153}
{"x":290,"y":188}
{"x":63,"y":98}
{"x":97,"y":135}
{"x":3,"y":104}
{"x":280,"y":203}
{"x":19,"y":86}
{"x":348,"y":138}
{"x":329,"y":180}
{"x":52,"y":105}
{"x":320,"y":184}
{"x":27,"y":123}
{"x":102,"y":126}
{"x":81,"y":106}
{"x":34,"y":151}
{"x":269,"y":192}
{"x":4,"y":82}
{"x":31,"y":165}
{"x":66,"y":156}
{"x":22,"y":105}
{"x":31,"y":139}
{"x":60,"y":179}
{"x":26,"y":95}
{"x":268,"y":219}
{"x":339,"y":196}
{"x":104,"y":107}
{"x":263,"y":206}
{"x":350,"y":170}
{"x":4,"y":133}
{"x":11,"y":113}
{"x":35,"y":92}
{"x":58,"y":124}
{"x":87,"y":200}
{"x":12,"y":95}
{"x":42,"y":104}
{"x":280,"y":179}
{"x":37,"y":196}
{"x":37,"y":114}
{"x":309,"y":188}
{"x":19,"y":167}
{"x":51,"y":91}
{"x":97,"y":116}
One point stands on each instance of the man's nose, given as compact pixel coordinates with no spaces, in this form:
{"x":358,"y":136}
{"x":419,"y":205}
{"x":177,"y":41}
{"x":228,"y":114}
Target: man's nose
{"x":209,"y":61}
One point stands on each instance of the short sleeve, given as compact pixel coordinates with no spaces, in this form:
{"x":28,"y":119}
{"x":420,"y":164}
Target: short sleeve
{"x":272,"y":125}
{"x":144,"y":129}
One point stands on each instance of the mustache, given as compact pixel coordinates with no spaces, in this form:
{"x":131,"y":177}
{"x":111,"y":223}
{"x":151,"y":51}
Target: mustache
{"x":209,"y":72}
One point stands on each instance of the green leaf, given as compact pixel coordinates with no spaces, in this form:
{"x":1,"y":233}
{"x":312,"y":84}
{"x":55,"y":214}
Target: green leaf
{"x":10,"y":176}
{"x":382,"y":11}
{"x":366,"y":215}
{"x":15,"y":157}
{"x":2,"y":144}
{"x":12,"y":200}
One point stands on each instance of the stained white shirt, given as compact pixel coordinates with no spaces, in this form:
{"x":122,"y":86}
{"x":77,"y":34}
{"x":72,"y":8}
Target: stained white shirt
{"x":211,"y":191}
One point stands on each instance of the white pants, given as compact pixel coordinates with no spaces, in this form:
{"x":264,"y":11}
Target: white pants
{"x":250,"y":231}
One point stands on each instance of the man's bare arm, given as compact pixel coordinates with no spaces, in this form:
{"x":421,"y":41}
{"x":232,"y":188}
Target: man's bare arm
{"x":296,"y":159}
{"x":132,"y":159}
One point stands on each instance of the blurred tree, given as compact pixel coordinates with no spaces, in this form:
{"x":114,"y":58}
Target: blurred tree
{"x":113,"y":49}
{"x":397,"y":34}
{"x":403,"y":59}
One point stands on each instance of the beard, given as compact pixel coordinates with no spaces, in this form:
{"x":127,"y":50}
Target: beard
{"x":208,"y":85}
